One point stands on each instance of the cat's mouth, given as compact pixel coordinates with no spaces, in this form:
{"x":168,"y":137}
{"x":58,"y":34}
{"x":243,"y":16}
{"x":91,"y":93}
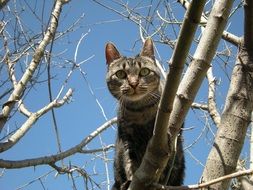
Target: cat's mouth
{"x":134,"y":94}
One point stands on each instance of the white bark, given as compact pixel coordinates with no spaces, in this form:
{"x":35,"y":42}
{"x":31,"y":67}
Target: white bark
{"x":159,"y":151}
{"x":236,"y":116}
{"x":38,"y":54}
{"x":54,"y":158}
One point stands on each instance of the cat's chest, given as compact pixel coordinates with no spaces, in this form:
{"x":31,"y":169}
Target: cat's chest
{"x":138,"y":117}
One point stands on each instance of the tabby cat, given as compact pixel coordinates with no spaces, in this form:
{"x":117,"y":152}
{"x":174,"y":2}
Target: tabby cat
{"x":135,"y":83}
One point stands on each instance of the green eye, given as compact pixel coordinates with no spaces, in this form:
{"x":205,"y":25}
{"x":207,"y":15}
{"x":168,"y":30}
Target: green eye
{"x":121,"y":74}
{"x":144,"y":72}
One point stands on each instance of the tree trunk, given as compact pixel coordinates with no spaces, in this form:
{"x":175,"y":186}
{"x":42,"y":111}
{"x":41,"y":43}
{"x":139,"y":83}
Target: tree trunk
{"x":230,"y":136}
{"x":236,"y":116}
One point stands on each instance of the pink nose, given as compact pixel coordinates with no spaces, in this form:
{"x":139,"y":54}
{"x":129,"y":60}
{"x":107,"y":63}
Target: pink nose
{"x":134,"y":84}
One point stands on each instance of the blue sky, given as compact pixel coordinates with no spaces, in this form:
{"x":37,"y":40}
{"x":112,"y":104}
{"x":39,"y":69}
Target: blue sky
{"x":83,"y":115}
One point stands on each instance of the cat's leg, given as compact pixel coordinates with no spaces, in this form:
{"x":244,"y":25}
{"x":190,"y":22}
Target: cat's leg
{"x":125,"y":185}
{"x":130,"y":167}
{"x":116,"y":186}
{"x":119,"y":169}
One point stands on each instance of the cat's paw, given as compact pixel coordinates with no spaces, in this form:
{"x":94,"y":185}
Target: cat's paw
{"x":125,"y":185}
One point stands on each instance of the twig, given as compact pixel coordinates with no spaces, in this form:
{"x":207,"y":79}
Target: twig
{"x":195,"y":158}
{"x":196,"y":105}
{"x":21,"y":85}
{"x":50,"y":93}
{"x":36,"y":179}
{"x":206,"y":184}
{"x":78,"y":44}
{"x":166,"y":21}
{"x":23,"y":109}
{"x":70,"y":170}
{"x":13,"y":139}
{"x":56,"y":157}
{"x":244,"y":182}
{"x":106,"y":148}
{"x":197,"y":138}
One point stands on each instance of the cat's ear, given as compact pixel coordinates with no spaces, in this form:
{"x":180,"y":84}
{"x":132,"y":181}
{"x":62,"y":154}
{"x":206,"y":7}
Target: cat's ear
{"x":111,"y":53}
{"x":148,"y":49}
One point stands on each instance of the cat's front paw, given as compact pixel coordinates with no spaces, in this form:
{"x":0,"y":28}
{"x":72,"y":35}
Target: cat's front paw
{"x":125,"y":185}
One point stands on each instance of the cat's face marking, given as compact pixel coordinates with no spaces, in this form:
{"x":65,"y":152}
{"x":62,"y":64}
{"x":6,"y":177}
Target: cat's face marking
{"x":132,"y":79}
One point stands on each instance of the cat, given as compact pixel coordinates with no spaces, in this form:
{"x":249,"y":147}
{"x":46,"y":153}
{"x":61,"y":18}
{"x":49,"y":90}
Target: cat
{"x":136,"y":84}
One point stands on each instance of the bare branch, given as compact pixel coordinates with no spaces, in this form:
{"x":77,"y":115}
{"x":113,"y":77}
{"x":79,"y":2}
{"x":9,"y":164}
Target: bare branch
{"x":200,"y":64}
{"x":10,"y":64}
{"x":13,"y":139}
{"x":36,"y":179}
{"x":54,"y":158}
{"x":151,"y":167}
{"x":108,"y":147}
{"x":245,"y":183}
{"x":39,"y":52}
{"x":23,"y":109}
{"x":212,"y":108}
{"x":206,"y":184}
{"x":233,"y":39}
{"x":234,"y":120}
{"x":199,"y":106}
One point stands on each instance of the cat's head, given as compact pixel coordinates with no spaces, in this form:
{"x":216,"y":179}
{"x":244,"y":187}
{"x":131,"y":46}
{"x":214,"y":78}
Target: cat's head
{"x":132,"y":79}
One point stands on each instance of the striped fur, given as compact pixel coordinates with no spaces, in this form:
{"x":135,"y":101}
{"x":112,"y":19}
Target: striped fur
{"x":135,"y":83}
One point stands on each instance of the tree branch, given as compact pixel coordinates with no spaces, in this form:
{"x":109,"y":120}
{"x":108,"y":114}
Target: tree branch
{"x":206,"y":184}
{"x":56,"y":157}
{"x":244,"y":182}
{"x":211,"y":98}
{"x":158,"y":152}
{"x":236,"y":114}
{"x":33,"y":117}
{"x":38,"y":54}
{"x":233,"y":39}
{"x":196,"y":105}
{"x":202,"y":58}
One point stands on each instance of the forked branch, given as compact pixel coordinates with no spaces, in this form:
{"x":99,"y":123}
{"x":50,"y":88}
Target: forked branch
{"x":152,"y":165}
{"x":49,"y":160}
{"x":237,"y":112}
{"x":38,"y":54}
{"x":33,"y":117}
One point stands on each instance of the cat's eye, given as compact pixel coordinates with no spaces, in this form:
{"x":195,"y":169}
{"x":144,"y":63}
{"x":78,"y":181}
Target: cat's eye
{"x":144,"y":72}
{"x":121,"y":74}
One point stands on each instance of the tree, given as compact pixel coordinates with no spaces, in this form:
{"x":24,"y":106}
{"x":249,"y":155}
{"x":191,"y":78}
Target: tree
{"x":42,"y":59}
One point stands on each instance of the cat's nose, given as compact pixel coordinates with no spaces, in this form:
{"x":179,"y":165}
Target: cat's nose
{"x":133,"y":81}
{"x":134,"y":84}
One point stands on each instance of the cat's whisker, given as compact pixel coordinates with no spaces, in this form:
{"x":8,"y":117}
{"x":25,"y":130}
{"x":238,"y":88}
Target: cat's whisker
{"x":155,"y":95}
{"x":135,"y":83}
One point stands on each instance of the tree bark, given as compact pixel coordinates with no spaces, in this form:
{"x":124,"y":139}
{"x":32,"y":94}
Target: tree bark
{"x":236,"y":116}
{"x":159,"y":151}
{"x":235,"y":119}
{"x":198,"y":68}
